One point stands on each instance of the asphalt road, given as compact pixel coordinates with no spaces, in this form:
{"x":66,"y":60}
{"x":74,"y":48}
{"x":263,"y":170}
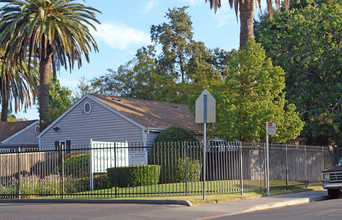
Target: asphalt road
{"x":331,"y":209}
{"x":328,"y":209}
{"x":41,"y":211}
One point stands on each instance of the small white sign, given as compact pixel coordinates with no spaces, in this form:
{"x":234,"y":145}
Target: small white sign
{"x":211,"y":108}
{"x":271,"y":128}
{"x":138,"y":157}
{"x":105,"y":154}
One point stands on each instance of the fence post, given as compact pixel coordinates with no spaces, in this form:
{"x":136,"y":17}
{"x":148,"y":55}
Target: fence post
{"x":241,"y":171}
{"x":265,"y":169}
{"x":115,"y":171}
{"x":286,"y":169}
{"x":323,"y":160}
{"x":19,"y":176}
{"x":62,"y":148}
{"x":306,"y":168}
{"x":185,"y":144}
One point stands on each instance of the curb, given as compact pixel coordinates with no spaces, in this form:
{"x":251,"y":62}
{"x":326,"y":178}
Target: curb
{"x":108,"y":201}
{"x":286,"y":203}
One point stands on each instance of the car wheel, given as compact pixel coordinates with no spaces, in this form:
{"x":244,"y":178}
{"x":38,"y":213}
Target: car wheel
{"x":333,"y":193}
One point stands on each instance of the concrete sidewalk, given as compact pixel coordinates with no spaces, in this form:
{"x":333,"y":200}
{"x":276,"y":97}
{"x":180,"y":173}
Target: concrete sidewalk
{"x":248,"y":205}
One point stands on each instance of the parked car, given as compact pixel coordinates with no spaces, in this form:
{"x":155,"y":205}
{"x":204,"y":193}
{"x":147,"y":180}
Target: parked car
{"x":332,"y":180}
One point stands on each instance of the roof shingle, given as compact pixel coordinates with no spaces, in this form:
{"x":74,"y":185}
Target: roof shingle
{"x":153,"y":114}
{"x":7,"y":129}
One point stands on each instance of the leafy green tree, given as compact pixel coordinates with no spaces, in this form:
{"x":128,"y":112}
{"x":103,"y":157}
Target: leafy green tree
{"x":175,"y":38}
{"x":252,"y":94}
{"x":307,"y":43}
{"x":59,"y":100}
{"x":83,"y":87}
{"x":136,"y":79}
{"x":246,"y":10}
{"x":54,"y":32}
{"x":183,"y":67}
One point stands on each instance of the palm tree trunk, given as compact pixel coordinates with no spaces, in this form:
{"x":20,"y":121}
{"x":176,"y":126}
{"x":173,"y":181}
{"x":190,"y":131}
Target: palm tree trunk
{"x":5,"y":97}
{"x":44,"y":85}
{"x":246,"y":21}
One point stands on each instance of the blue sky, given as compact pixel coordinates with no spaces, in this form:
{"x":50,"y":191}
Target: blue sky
{"x":125,"y":27}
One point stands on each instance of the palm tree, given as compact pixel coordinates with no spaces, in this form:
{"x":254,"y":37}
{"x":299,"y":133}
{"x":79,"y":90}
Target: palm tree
{"x":17,"y":87}
{"x":246,"y":10}
{"x":53,"y":32}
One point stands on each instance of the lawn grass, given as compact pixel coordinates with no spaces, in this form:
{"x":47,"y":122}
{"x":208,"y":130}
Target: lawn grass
{"x":225,"y":187}
{"x":229,"y":190}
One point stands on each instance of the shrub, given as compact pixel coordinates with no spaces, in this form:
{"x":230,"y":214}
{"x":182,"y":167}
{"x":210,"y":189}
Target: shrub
{"x":167,"y":155}
{"x":76,"y":164}
{"x":188,"y":170}
{"x":134,"y":175}
{"x":169,"y":146}
{"x":175,"y":134}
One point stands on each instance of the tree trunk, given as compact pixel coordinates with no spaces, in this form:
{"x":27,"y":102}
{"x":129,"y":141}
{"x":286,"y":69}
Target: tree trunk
{"x":44,"y":85}
{"x":4,"y":105}
{"x":246,"y":21}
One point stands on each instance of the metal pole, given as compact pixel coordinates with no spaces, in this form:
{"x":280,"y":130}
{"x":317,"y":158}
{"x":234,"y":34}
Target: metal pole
{"x":115,"y":170}
{"x":91,"y":166}
{"x":19,"y":176}
{"x":63,"y":147}
{"x":241,"y":171}
{"x":268,"y":161}
{"x":287,"y":169}
{"x":306,"y":168}
{"x":204,"y":141}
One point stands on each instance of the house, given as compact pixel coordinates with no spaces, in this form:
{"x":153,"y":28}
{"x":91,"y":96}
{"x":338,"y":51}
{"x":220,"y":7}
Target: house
{"x":19,"y":133}
{"x":116,"y":119}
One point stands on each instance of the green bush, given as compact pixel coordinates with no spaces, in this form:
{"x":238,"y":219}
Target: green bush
{"x":169,"y":146}
{"x":76,"y":165}
{"x":175,"y":134}
{"x":167,"y":156}
{"x":188,"y":170}
{"x":134,"y":175}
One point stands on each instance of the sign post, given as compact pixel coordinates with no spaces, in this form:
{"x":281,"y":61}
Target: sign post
{"x":205,"y":113}
{"x":270,"y":130}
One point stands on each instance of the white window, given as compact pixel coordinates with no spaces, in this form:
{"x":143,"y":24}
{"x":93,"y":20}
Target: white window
{"x":37,"y":129}
{"x":87,"y":107}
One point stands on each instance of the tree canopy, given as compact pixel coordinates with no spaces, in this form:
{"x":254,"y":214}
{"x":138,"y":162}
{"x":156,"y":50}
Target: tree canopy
{"x":307,"y":43}
{"x":251,"y":95}
{"x":249,"y":90}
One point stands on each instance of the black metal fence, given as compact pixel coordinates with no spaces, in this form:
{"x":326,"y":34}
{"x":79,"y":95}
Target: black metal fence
{"x":119,"y":170}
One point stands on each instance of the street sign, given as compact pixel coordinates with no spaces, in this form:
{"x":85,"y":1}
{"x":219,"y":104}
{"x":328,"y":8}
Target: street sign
{"x":205,"y":113}
{"x":209,"y":100}
{"x":271,"y":128}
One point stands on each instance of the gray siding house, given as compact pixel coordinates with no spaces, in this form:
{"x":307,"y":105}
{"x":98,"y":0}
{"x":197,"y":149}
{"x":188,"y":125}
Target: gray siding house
{"x":116,"y":119}
{"x":19,"y":133}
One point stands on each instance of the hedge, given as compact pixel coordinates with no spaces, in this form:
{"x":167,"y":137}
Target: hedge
{"x":142,"y":175}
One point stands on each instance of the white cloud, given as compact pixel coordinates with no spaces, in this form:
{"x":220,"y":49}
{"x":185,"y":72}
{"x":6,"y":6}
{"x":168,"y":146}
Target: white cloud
{"x":149,"y":5}
{"x":192,"y":2}
{"x":67,"y":82}
{"x":224,"y":14}
{"x":120,"y":36}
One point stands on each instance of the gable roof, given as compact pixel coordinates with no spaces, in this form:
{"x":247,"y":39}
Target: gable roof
{"x":9,"y":129}
{"x":143,"y":113}
{"x":153,"y":114}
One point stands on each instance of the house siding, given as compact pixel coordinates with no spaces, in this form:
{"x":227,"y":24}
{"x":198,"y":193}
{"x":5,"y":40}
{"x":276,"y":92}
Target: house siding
{"x":101,"y":124}
{"x":29,"y":136}
{"x":151,"y":137}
